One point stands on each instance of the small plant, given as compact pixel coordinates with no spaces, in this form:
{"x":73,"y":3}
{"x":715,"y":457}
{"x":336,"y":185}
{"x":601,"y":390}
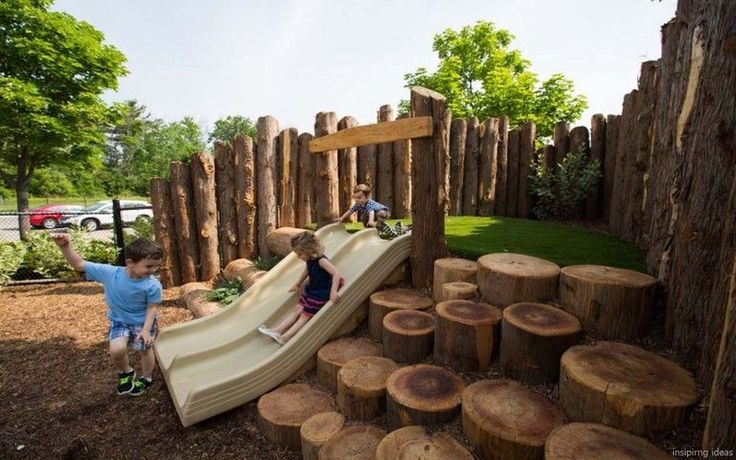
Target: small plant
{"x":226,"y":292}
{"x":45,"y":258}
{"x":267,"y":263}
{"x":11,"y":258}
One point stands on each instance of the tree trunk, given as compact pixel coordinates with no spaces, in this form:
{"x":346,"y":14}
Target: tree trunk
{"x":347,"y":160}
{"x":317,"y":430}
{"x":333,"y":355}
{"x":384,"y":192}
{"x":472,"y":152}
{"x":458,"y":130}
{"x":609,"y":165}
{"x":466,"y":334}
{"x":305,"y":192}
{"x":625,"y":387}
{"x":561,"y":140}
{"x":506,"y":278}
{"x":368,"y":165}
{"x":289,"y":154}
{"x":450,"y":269}
{"x":245,"y":195}
{"x":415,"y":442}
{"x":579,"y":140}
{"x":624,"y":154}
{"x":384,"y":302}
{"x":279,"y":240}
{"x":402,"y":177}
{"x":458,"y":290}
{"x":597,"y":153}
{"x":512,"y":174}
{"x":21,"y":190}
{"x":355,"y":443}
{"x":422,"y":395}
{"x":505,"y":420}
{"x":239,"y":268}
{"x":182,"y":203}
{"x":361,"y":387}
{"x":487,"y":168}
{"x":266,"y":177}
{"x":593,"y":440}
{"x":225,"y":193}
{"x":533,"y":338}
{"x":165,"y":230}
{"x":205,"y":208}
{"x":327,"y":199}
{"x":502,"y":155}
{"x":548,"y":153}
{"x":526,"y":153}
{"x":408,"y":335}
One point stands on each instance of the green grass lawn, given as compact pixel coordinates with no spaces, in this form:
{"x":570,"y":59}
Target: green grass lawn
{"x":9,"y":204}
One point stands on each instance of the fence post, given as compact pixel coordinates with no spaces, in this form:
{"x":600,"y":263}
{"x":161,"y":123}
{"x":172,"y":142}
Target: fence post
{"x":117,"y":223}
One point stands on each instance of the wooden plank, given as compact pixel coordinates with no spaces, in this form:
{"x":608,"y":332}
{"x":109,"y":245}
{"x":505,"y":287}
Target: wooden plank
{"x":390,"y":131}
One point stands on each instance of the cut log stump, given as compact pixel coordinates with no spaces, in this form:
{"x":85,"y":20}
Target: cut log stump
{"x":239,"y":268}
{"x":613,"y":302}
{"x":506,"y":278}
{"x":505,"y":420}
{"x":193,"y":296}
{"x":317,"y":430}
{"x":384,"y":302}
{"x":592,"y":440}
{"x":626,"y":387}
{"x":361,"y":387}
{"x":466,"y":334}
{"x":408,"y":335}
{"x":422,"y":395}
{"x":282,"y":412}
{"x":450,"y":269}
{"x":458,"y":290}
{"x":414,"y":442}
{"x":353,"y":443}
{"x":333,"y":355}
{"x":352,"y":322}
{"x":279,"y":240}
{"x":533,"y":338}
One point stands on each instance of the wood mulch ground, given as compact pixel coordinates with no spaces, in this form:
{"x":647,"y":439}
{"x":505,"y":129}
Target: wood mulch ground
{"x":58,"y":389}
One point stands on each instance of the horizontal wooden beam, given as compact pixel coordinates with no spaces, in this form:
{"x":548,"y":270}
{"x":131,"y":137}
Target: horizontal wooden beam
{"x":390,"y":131}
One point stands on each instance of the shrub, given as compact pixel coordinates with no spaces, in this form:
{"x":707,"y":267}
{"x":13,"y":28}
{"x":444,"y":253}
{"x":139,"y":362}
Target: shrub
{"x":226,"y":292}
{"x":44,"y":257}
{"x":267,"y":263}
{"x":11,"y":258}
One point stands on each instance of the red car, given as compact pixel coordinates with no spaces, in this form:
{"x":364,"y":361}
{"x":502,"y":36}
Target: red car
{"x":48,"y":216}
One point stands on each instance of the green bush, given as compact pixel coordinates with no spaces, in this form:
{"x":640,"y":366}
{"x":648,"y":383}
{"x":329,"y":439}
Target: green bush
{"x":44,"y":257}
{"x":226,"y":292}
{"x":267,"y":263}
{"x":11,"y":258}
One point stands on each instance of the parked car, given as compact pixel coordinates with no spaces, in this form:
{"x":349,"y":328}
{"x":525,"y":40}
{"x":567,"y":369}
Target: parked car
{"x":100,"y":214}
{"x":49,"y":216}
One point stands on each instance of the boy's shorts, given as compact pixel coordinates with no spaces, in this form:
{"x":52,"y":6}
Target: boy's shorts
{"x":131,"y":331}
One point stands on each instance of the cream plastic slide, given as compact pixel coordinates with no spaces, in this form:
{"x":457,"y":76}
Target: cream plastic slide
{"x":221,"y":361}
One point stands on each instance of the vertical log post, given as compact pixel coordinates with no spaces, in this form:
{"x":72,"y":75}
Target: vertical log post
{"x":347,"y":165}
{"x":165,"y":229}
{"x":225,"y":192}
{"x":472,"y":150}
{"x":458,"y":130}
{"x":512,"y":178}
{"x":305,"y":190}
{"x":245,"y":195}
{"x":402,"y":177}
{"x":384,"y":191}
{"x":597,"y":153}
{"x":561,"y":140}
{"x":487,"y":168}
{"x":327,"y":201}
{"x":526,"y":152}
{"x":502,"y":165}
{"x":367,"y":165}
{"x":548,"y":154}
{"x":267,"y":129}
{"x":288,"y":152}
{"x":205,"y":208}
{"x":182,"y":203}
{"x":609,"y":163}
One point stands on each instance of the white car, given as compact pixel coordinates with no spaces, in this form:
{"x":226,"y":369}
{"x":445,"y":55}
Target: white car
{"x":100,"y":214}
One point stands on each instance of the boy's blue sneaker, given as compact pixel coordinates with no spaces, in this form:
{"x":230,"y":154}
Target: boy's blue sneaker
{"x":125,"y":382}
{"x":140,"y":386}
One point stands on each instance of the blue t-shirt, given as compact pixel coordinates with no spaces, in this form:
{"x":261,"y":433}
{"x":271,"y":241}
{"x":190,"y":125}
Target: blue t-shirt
{"x":127,"y":298}
{"x":369,"y":205}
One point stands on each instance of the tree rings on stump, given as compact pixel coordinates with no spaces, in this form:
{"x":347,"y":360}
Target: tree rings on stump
{"x":613,"y":302}
{"x":450,"y":269}
{"x":506,"y":278}
{"x":361,"y":387}
{"x":592,"y":440}
{"x":354,"y":443}
{"x":626,"y":387}
{"x":408,"y":335}
{"x":333,"y":355}
{"x":466,"y":334}
{"x":384,"y":302}
{"x":414,"y":442}
{"x":282,"y":412}
{"x":505,"y":420}
{"x":317,"y":430}
{"x":422,"y":395}
{"x":533,"y":338}
{"x":458,"y":290}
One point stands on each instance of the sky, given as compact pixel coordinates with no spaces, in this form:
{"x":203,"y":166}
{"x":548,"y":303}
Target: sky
{"x":292,"y":59}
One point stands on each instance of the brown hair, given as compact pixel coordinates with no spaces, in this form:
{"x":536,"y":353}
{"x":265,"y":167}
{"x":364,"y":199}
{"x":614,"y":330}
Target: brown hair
{"x":365,"y":189}
{"x":143,"y":248}
{"x":307,"y":243}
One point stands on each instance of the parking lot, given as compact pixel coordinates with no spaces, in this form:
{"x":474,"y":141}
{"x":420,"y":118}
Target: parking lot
{"x":9,"y":230}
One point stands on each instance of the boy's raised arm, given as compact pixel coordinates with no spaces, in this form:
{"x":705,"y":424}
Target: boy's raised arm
{"x":74,"y":259}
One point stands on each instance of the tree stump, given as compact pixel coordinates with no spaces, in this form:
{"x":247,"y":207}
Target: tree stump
{"x":333,"y":355}
{"x":422,"y":395}
{"x":505,"y":420}
{"x":466,"y":334}
{"x":317,"y":430}
{"x":279,"y":240}
{"x":458,"y":290}
{"x":408,"y":335}
{"x":193,"y":296}
{"x":505,"y":278}
{"x":282,"y":412}
{"x":612,"y":302}
{"x":354,"y":443}
{"x":361,"y":387}
{"x":414,"y":442}
{"x":450,"y":269}
{"x":384,"y":302}
{"x":533,"y":338}
{"x":592,"y":440}
{"x":626,"y":387}
{"x":239,"y":268}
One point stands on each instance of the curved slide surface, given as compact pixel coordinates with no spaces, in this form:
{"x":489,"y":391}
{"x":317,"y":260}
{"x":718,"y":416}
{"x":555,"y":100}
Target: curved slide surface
{"x":221,"y":361}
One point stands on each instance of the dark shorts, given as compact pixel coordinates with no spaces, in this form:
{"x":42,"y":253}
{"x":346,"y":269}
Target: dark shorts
{"x":131,"y":331}
{"x":310,"y":305}
{"x":379,"y":216}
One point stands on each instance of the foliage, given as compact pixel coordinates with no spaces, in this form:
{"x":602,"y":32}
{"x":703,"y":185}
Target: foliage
{"x":480,"y":76}
{"x":49,"y":182}
{"x":44,"y":257}
{"x":11,"y":258}
{"x":227,"y":128}
{"x":226,"y":292}
{"x":140,"y":228}
{"x":267,"y":263}
{"x":559,"y":193}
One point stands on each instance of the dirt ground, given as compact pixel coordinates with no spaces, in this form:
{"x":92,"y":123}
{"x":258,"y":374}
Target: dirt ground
{"x":58,"y":390}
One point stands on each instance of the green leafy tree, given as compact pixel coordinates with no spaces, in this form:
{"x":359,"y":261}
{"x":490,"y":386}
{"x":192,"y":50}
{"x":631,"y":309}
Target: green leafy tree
{"x":227,"y":128}
{"x":48,"y":182}
{"x":128,"y":123}
{"x":53,"y":70}
{"x":481,"y":76}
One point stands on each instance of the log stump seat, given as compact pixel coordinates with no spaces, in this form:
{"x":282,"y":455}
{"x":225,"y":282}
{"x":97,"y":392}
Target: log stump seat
{"x":458,"y":290}
{"x":448,"y":269}
{"x":414,"y":442}
{"x":592,"y":440}
{"x":317,"y":430}
{"x":507,"y":278}
{"x":408,"y":335}
{"x":466,"y":334}
{"x":354,"y":443}
{"x":333,"y":355}
{"x":361,"y":387}
{"x":384,"y":302}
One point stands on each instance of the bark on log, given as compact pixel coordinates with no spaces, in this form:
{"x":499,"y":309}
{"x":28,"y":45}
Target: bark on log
{"x":368,"y":165}
{"x":282,"y":412}
{"x":333,"y":355}
{"x":355,"y":443}
{"x":384,"y":192}
{"x":466,"y":334}
{"x":625,"y":387}
{"x":384,"y":302}
{"x":487,"y":168}
{"x":548,"y":153}
{"x":317,"y":430}
{"x":414,"y":442}
{"x":352,"y":322}
{"x":347,"y":163}
{"x":192,"y":294}
{"x":268,"y":130}
{"x":597,"y":153}
{"x":512,"y":174}
{"x":579,"y":140}
{"x":402,"y":177}
{"x":279,"y":240}
{"x":239,"y":268}
{"x":450,"y":269}
{"x":245,"y":196}
{"x":400,"y":275}
{"x":612,"y":302}
{"x":502,"y":166}
{"x":408,"y":335}
{"x":305,"y":192}
{"x":472,"y":152}
{"x":458,"y":290}
{"x":225,"y":191}
{"x":288,"y":155}
{"x":205,"y":209}
{"x":624,"y":153}
{"x":327,"y":198}
{"x":533,"y":338}
{"x":182,"y":202}
{"x":458,"y":131}
{"x":361,"y":387}
{"x":526,"y":153}
{"x":505,"y":420}
{"x":422,"y":395}
{"x":165,"y":230}
{"x":593,"y":440}
{"x":609,"y":165}
{"x":561,"y":141}
{"x":506,"y":278}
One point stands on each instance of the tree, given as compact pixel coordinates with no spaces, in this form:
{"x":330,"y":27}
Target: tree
{"x":128,"y":123}
{"x":53,"y":70}
{"x":480,"y":76}
{"x":227,"y":128}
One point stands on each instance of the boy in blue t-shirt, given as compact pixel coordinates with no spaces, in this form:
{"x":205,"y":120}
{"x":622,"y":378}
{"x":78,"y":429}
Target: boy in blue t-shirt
{"x":132,"y":296}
